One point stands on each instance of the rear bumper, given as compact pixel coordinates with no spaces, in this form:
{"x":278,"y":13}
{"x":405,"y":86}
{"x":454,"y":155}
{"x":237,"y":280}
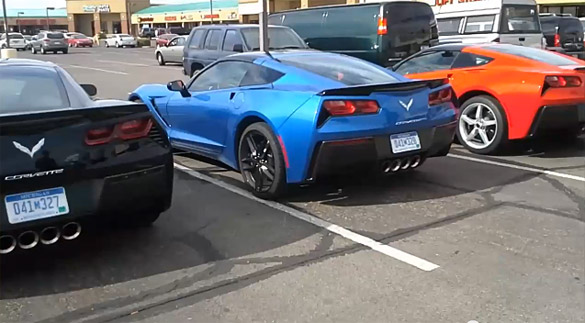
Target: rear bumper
{"x":101,"y":199}
{"x":333,"y":157}
{"x":55,"y":47}
{"x":560,"y":117}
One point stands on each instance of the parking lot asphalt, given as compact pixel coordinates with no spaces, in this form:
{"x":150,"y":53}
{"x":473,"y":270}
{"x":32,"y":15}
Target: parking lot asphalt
{"x":505,"y":235}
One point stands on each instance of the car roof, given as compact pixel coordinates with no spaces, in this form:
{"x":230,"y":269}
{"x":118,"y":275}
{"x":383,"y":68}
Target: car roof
{"x":339,"y":5}
{"x":235,"y":26}
{"x":25,"y":62}
{"x":252,"y":56}
{"x":559,"y":18}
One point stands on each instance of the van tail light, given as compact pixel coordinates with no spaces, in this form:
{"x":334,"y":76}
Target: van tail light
{"x":562,"y":81}
{"x":557,"y":40}
{"x":441,"y":96}
{"x":382,"y":26}
{"x":127,"y":130}
{"x":351,"y":107}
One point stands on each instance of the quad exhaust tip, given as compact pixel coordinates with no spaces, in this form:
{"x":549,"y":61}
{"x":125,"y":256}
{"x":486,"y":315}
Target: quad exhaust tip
{"x":415,"y":161}
{"x":7,"y":244}
{"x":49,"y":235}
{"x":71,"y":231}
{"x":28,"y":240}
{"x":394,"y":165}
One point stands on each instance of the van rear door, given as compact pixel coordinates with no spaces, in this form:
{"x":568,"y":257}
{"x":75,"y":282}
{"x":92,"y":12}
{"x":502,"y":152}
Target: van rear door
{"x":520,"y":25}
{"x":411,"y":26}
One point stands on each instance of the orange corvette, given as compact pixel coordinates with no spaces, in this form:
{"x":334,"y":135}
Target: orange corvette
{"x":506,"y":92}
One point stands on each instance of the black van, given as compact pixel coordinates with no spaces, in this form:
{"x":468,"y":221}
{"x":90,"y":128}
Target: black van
{"x":382,"y":33}
{"x":564,"y":35}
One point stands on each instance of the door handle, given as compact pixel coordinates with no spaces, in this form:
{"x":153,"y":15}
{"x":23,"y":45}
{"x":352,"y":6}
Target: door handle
{"x":232,"y":95}
{"x":521,"y":39}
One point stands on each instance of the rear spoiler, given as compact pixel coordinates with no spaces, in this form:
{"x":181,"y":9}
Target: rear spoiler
{"x":384,"y":87}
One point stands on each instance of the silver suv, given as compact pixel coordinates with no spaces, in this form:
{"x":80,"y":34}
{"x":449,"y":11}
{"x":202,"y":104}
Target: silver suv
{"x":49,"y":42}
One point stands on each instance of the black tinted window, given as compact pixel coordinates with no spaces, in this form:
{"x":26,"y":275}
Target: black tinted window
{"x":518,"y":19}
{"x":479,"y":24}
{"x":428,"y":62}
{"x":549,"y":26}
{"x":569,"y":26}
{"x":55,"y":36}
{"x":470,"y":60}
{"x":345,"y":69}
{"x":449,"y":26}
{"x":212,"y":39}
{"x":363,"y":34}
{"x":278,"y":38}
{"x":533,"y":54}
{"x":257,"y":75}
{"x":409,"y":22}
{"x":231,"y":38}
{"x":195,"y":42}
{"x":31,"y":89}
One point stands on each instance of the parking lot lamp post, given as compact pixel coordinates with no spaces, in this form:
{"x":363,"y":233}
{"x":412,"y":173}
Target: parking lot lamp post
{"x":264,"y":27}
{"x":48,"y":8}
{"x":211,"y":10}
{"x":5,"y":24}
{"x":18,"y":20}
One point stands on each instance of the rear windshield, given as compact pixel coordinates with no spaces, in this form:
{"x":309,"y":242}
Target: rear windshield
{"x":278,"y":38}
{"x":534,"y":54}
{"x":570,"y":26}
{"x":16,"y":36}
{"x":31,"y":89}
{"x":125,"y":35}
{"x":549,"y":26}
{"x":79,"y":36}
{"x":519,"y":19}
{"x":55,"y":36}
{"x":345,"y":69}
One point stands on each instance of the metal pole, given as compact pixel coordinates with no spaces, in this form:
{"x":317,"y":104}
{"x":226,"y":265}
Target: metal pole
{"x":6,"y":24}
{"x":47,"y":11}
{"x":264,"y":27}
{"x":211,"y":10}
{"x":18,"y":22}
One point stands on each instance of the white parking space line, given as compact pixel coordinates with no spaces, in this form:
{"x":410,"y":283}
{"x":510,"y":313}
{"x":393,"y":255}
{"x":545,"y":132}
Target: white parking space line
{"x":97,"y":69}
{"x":363,"y":240}
{"x":524,"y":168}
{"x":122,"y":63}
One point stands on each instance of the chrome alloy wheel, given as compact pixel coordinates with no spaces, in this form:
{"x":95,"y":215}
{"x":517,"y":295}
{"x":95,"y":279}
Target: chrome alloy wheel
{"x":478,"y":125}
{"x":257,"y":160}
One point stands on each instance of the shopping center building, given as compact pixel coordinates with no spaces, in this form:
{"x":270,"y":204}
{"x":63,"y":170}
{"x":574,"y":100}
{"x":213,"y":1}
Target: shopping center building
{"x":109,"y":16}
{"x":31,"y":21}
{"x":576,"y":8}
{"x":187,"y":15}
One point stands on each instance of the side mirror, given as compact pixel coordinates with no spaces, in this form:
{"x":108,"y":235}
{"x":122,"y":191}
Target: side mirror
{"x":90,"y":89}
{"x":238,"y":48}
{"x":178,"y":86}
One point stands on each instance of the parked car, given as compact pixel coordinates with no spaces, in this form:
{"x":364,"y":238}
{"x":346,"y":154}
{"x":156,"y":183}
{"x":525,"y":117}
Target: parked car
{"x":507,"y":92}
{"x":49,"y":42}
{"x":146,"y":33}
{"x":171,"y":52}
{"x":120,"y":40}
{"x":162,"y":40}
{"x":208,"y":43}
{"x":17,"y":41}
{"x":382,"y":33}
{"x":249,"y":110}
{"x":80,"y":40}
{"x":582,"y":20}
{"x":474,"y":22}
{"x":27,"y":40}
{"x":69,"y":161}
{"x":564,"y":35}
{"x":178,"y":31}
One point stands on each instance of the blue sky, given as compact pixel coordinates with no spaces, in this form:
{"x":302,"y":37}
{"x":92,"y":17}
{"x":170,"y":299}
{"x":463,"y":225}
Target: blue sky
{"x":39,"y":4}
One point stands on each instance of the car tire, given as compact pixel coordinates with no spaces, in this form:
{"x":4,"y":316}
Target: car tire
{"x":33,"y":50}
{"x":258,"y":166}
{"x":194,"y":69}
{"x":43,"y":51}
{"x":160,"y":59}
{"x":117,"y":45}
{"x":107,"y":45}
{"x":76,"y":45}
{"x":482,"y":127}
{"x":65,"y":51}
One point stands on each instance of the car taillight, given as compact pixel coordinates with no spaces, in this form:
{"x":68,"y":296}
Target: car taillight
{"x":557,"y":40}
{"x":127,"y":130}
{"x":46,"y":40}
{"x":351,"y":107}
{"x":441,"y":96}
{"x":382,"y":26}
{"x":554,"y":81}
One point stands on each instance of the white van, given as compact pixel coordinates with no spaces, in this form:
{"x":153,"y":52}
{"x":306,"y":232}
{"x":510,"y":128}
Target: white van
{"x":479,"y":21}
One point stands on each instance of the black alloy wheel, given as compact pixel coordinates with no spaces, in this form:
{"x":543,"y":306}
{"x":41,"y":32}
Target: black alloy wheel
{"x":261,"y":161}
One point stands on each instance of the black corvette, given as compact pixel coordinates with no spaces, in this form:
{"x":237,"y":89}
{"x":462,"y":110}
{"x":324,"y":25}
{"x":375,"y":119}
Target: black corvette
{"x":68,"y":161}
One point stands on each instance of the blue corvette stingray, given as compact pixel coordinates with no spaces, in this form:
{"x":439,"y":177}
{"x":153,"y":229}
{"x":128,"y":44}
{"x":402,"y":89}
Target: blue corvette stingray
{"x":290,"y":116}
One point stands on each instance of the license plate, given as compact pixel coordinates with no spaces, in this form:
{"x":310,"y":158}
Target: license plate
{"x":403,"y":142}
{"x":36,"y":205}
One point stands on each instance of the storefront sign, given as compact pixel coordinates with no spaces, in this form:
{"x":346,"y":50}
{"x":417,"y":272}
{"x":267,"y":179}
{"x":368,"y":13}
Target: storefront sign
{"x":170,"y":18}
{"x":186,"y":17}
{"x":214,"y":16}
{"x":145,"y":19}
{"x":97,"y":8}
{"x":448,"y":2}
